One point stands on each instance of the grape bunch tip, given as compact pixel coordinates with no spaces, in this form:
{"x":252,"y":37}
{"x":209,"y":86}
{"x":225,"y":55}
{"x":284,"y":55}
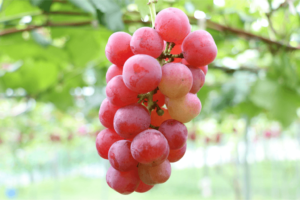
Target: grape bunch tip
{"x":151,"y":92}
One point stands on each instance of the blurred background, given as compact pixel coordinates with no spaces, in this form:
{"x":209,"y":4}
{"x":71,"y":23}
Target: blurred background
{"x":245,"y":144}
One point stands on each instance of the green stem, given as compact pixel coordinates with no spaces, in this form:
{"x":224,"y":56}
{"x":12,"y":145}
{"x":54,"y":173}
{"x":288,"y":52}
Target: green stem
{"x":152,"y":11}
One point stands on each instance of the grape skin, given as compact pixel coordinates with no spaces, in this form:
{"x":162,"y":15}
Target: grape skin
{"x":120,"y":157}
{"x":143,"y":187}
{"x":199,"y":48}
{"x":107,"y":112}
{"x":184,"y":109}
{"x":198,"y":80}
{"x":155,"y":175}
{"x":104,"y":140}
{"x":118,"y":94}
{"x":147,"y":41}
{"x":203,"y":68}
{"x":118,"y":49}
{"x":131,"y":120}
{"x":142,"y":73}
{"x":176,"y":155}
{"x":113,"y":71}
{"x":176,"y":80}
{"x":122,"y":182}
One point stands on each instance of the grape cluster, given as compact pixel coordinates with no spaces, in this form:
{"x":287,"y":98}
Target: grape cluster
{"x":151,"y":91}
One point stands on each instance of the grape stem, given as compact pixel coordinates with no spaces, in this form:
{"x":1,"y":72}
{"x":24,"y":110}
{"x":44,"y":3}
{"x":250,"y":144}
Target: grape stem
{"x":151,"y":4}
{"x":154,"y":127}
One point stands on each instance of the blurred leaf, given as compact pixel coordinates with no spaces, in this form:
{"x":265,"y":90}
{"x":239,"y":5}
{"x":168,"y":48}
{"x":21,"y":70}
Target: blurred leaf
{"x":142,"y":7}
{"x":40,"y":39}
{"x":85,"y":5}
{"x":43,"y":4}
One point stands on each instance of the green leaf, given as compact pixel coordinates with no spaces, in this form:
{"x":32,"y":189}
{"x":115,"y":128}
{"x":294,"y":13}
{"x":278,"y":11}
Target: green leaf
{"x":45,"y":5}
{"x":85,"y":5}
{"x":142,"y":7}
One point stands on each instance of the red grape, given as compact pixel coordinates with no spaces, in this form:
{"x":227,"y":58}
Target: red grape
{"x":120,"y":157}
{"x":159,"y":97}
{"x":104,"y":141}
{"x":142,"y":73}
{"x":199,"y":48}
{"x":131,"y":120}
{"x":113,"y":71}
{"x":107,"y":112}
{"x":118,"y":94}
{"x":150,"y":147}
{"x":123,"y":182}
{"x":203,"y":68}
{"x":177,"y":154}
{"x":147,"y":41}
{"x":198,"y":80}
{"x":176,"y":80}
{"x":143,"y":187}
{"x":155,"y":175}
{"x":172,"y":24}
{"x":184,"y":109}
{"x":157,"y":120}
{"x":118,"y":49}
{"x":175,"y":132}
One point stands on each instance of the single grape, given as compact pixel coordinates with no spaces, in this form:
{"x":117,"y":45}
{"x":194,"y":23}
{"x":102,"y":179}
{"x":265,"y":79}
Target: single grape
{"x":184,"y":109}
{"x":198,"y":80}
{"x":118,"y":94}
{"x":131,"y":120}
{"x":157,"y":120}
{"x":155,"y":175}
{"x":176,"y":80}
{"x":123,"y":182}
{"x":172,"y":24}
{"x":113,"y":71}
{"x":147,"y":41}
{"x":176,"y":155}
{"x":142,"y":73}
{"x":203,"y":68}
{"x":199,"y":48}
{"x":175,"y":132}
{"x":104,"y":141}
{"x":143,"y":187}
{"x":159,"y":97}
{"x":120,"y":157}
{"x":150,"y":147}
{"x":107,"y":112}
{"x":118,"y":49}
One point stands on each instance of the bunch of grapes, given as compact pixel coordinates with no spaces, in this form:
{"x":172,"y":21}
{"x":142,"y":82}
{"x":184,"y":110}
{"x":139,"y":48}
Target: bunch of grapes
{"x":151,"y":91}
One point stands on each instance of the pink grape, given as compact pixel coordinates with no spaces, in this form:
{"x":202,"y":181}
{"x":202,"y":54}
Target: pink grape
{"x":107,"y":112}
{"x":172,"y":24}
{"x":120,"y":157}
{"x":118,"y":94}
{"x":142,"y":73}
{"x":131,"y":120}
{"x":155,"y":175}
{"x":176,"y":80}
{"x":123,"y":182}
{"x":150,"y":147}
{"x":104,"y":141}
{"x":176,"y":155}
{"x":143,"y":187}
{"x":118,"y":49}
{"x":147,"y":41}
{"x":113,"y":71}
{"x":198,"y":80}
{"x":203,"y":68}
{"x":185,"y":108}
{"x":199,"y":48}
{"x":157,"y":120}
{"x":175,"y":132}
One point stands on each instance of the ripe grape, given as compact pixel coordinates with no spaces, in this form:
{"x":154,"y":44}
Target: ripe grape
{"x":143,"y":187}
{"x":131,"y":120}
{"x":147,"y":41}
{"x":120,"y":157}
{"x":150,"y":147}
{"x":203,"y":68}
{"x":184,"y":109}
{"x":199,"y":48}
{"x":198,"y":80}
{"x":172,"y":24}
{"x":159,"y":98}
{"x":118,"y":49}
{"x":142,"y":73}
{"x":176,"y":80}
{"x":123,"y":182}
{"x":175,"y":132}
{"x":104,"y":141}
{"x":118,"y":94}
{"x":157,"y":120}
{"x":155,"y":175}
{"x":107,"y":112}
{"x":113,"y":71}
{"x":176,"y":155}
